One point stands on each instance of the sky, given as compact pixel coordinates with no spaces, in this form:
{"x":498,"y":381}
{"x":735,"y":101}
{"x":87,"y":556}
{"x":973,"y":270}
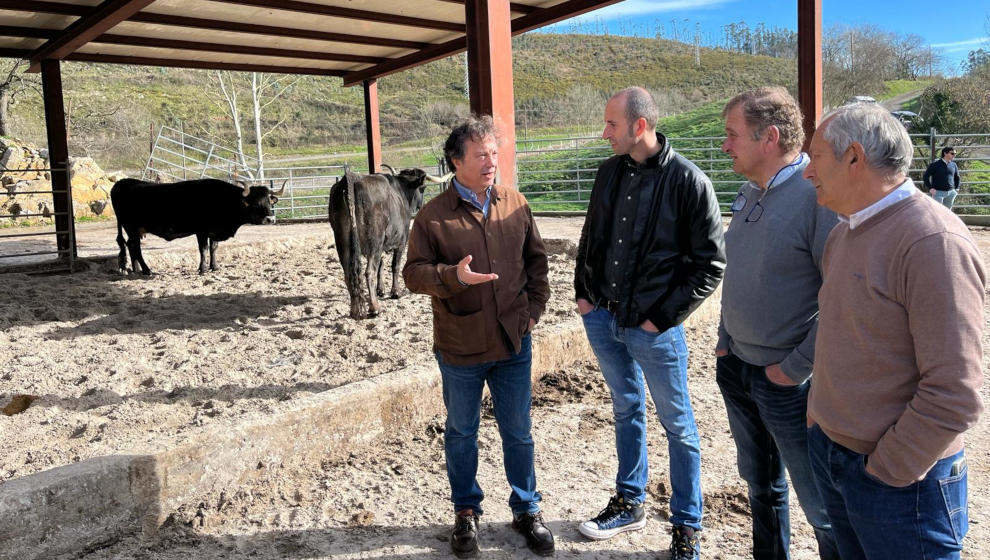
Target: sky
{"x":951,"y":28}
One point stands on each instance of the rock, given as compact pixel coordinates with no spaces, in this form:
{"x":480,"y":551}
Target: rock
{"x":43,"y":152}
{"x":84,"y":173}
{"x":12,"y":158}
{"x":295,"y":334}
{"x":38,"y":185}
{"x":14,"y":187}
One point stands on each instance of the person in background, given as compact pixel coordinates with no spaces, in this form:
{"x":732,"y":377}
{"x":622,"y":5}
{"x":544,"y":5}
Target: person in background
{"x":942,"y":178}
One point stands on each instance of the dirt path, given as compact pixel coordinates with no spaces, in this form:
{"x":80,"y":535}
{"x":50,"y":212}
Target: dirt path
{"x":898,"y":101}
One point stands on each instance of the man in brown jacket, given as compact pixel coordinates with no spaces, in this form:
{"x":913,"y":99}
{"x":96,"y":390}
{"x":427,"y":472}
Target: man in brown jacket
{"x":475,"y":250}
{"x":898,"y":362}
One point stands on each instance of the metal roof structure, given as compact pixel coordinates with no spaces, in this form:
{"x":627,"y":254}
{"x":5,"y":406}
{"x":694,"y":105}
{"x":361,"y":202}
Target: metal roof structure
{"x":355,"y":40}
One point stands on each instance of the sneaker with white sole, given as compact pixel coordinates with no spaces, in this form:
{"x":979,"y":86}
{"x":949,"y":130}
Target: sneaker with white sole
{"x":618,"y":516}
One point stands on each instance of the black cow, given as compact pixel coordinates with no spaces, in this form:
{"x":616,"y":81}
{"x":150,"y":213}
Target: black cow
{"x":370,"y":215}
{"x":211,"y":209}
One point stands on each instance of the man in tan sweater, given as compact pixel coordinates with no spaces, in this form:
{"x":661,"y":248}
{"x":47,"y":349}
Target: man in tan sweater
{"x":898,"y":357}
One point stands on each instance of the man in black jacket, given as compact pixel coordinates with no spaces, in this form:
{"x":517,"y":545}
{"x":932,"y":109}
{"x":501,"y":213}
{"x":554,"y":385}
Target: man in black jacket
{"x":651,"y":251}
{"x":942,"y":178}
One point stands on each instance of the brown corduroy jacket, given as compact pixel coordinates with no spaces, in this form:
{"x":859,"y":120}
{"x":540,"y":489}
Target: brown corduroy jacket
{"x":484,"y":322}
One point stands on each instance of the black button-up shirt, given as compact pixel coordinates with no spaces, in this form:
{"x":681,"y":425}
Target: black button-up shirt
{"x":633,"y":199}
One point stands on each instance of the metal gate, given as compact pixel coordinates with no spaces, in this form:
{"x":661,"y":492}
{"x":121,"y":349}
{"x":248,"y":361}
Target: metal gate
{"x":16,"y":252}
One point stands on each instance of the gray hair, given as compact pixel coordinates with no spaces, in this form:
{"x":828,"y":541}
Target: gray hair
{"x":884,"y":139}
{"x":639,"y":104}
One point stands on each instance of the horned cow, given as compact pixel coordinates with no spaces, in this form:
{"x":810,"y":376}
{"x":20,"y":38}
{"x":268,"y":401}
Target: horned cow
{"x":211,"y":209}
{"x":370,"y":215}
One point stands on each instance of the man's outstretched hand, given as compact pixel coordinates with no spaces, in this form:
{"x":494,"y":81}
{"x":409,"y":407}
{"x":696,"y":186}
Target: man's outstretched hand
{"x":466,"y":276}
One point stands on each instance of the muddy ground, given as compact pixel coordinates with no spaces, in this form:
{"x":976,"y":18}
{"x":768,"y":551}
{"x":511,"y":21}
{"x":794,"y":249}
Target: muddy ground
{"x":122,"y":362}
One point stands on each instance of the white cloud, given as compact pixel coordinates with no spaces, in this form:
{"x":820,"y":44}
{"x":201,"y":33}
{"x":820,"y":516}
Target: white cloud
{"x":632,"y":8}
{"x":967,"y":45}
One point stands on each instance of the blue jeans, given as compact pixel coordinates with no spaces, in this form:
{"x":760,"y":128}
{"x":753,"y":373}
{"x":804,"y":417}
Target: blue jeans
{"x":945,"y":198}
{"x":926,"y":520}
{"x":768,"y":423}
{"x":626,"y":355}
{"x":510,"y":385}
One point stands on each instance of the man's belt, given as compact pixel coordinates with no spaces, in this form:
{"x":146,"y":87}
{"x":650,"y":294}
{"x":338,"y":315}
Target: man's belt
{"x":612,"y":306}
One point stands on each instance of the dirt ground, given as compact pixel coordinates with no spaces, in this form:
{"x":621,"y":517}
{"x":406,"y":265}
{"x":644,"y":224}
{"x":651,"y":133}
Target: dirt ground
{"x":129,"y":363}
{"x":124,"y":364}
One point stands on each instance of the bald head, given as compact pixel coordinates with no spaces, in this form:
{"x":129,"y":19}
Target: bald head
{"x":638,"y":104}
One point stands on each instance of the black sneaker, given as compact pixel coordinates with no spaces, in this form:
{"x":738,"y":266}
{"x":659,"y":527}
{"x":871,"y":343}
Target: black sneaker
{"x":685,"y":544}
{"x":539,"y":539}
{"x":618,"y":516}
{"x":464,"y":537}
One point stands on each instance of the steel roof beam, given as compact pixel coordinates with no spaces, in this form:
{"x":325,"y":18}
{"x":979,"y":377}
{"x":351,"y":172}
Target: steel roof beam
{"x":95,"y":23}
{"x":349,"y":13}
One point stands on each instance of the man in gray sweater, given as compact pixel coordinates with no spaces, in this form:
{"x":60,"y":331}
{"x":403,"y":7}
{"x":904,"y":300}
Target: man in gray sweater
{"x":766,"y":339}
{"x":898,"y":361}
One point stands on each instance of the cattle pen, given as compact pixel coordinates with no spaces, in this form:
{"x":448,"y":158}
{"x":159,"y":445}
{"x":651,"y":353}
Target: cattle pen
{"x":139,"y":410}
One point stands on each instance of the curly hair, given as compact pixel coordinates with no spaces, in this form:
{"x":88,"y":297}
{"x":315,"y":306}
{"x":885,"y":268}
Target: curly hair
{"x":476,"y":128}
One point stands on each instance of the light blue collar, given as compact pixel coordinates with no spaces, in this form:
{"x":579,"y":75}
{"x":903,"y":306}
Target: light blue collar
{"x":470,"y":196}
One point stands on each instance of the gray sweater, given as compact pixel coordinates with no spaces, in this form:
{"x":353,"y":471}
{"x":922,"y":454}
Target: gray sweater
{"x":773,"y":274}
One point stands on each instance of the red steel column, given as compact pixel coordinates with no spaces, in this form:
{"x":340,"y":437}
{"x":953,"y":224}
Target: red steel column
{"x":58,"y":156}
{"x":810,"y":64}
{"x":489,"y":51}
{"x":372,"y":126}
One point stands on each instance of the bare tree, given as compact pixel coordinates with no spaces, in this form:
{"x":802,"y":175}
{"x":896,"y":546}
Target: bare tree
{"x":13,"y":83}
{"x":265,"y":90}
{"x":228,"y":90}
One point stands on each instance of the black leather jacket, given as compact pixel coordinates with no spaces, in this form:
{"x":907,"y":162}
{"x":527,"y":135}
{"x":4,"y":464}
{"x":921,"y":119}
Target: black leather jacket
{"x":681,"y":257}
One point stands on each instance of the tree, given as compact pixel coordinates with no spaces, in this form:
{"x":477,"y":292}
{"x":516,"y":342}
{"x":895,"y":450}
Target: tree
{"x":228,"y":89}
{"x":265,"y":90}
{"x":14,"y":82}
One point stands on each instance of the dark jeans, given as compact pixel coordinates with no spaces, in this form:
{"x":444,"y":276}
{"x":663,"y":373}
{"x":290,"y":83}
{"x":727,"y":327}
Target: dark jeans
{"x":768,"y":424}
{"x":926,"y":520}
{"x":510,"y":385}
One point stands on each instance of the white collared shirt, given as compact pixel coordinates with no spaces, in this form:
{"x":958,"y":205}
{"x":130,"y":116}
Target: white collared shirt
{"x":906,"y":190}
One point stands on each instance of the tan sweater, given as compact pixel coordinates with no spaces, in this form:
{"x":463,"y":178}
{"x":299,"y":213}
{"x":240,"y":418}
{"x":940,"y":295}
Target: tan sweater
{"x":898,"y":355}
